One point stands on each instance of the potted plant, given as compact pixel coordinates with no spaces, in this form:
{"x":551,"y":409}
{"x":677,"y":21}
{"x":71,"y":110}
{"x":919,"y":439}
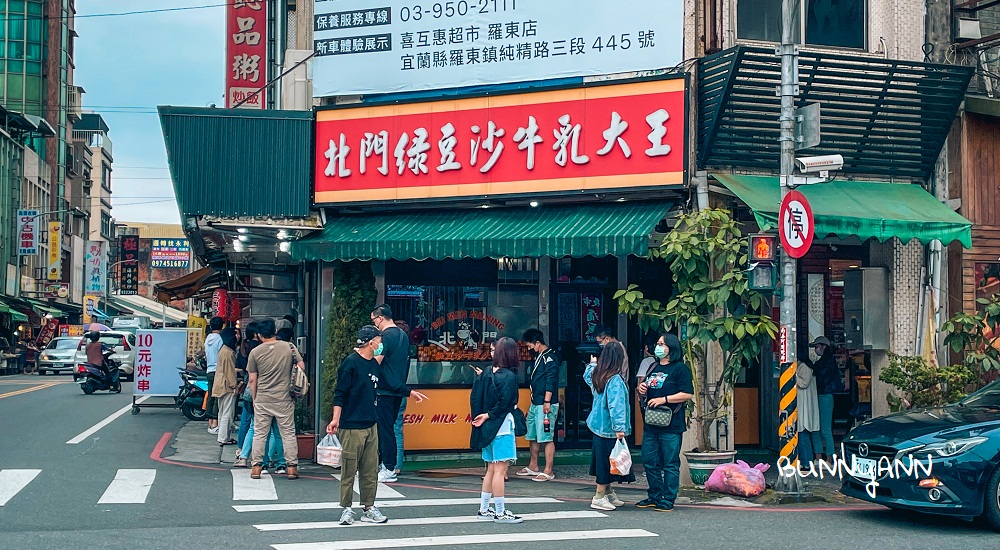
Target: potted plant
{"x":712,"y":303}
{"x":305,"y":434}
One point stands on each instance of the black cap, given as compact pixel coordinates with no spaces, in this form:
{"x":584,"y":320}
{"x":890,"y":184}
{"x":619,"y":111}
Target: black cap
{"x":366,"y":333}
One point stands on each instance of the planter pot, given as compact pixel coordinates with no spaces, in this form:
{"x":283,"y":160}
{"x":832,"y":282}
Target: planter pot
{"x":307,"y":446}
{"x":701,"y":465}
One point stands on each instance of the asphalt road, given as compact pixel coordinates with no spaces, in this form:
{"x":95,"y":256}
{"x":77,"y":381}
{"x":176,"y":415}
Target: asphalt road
{"x":69,"y":502}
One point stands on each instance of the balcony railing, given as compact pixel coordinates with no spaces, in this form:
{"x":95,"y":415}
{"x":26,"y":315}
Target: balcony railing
{"x":74,"y":103}
{"x":94,"y":138}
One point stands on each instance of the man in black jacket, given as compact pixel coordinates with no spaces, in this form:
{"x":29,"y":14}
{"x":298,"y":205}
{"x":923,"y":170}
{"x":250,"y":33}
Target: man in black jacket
{"x":542,"y":415}
{"x":356,"y":420}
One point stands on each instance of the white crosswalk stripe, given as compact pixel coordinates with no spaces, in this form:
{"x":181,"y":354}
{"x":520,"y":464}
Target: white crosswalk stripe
{"x":129,"y":487}
{"x":246,"y":488}
{"x":383,"y":491}
{"x":13,"y":481}
{"x":456,"y":540}
{"x":435,"y":520}
{"x":298,"y":506}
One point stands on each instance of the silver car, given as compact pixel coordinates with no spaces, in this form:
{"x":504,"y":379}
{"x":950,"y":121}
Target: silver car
{"x":59,"y":355}
{"x":124,"y":346}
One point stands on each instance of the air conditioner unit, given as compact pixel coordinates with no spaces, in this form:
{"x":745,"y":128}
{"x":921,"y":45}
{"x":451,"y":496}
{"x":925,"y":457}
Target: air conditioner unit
{"x":967,"y":28}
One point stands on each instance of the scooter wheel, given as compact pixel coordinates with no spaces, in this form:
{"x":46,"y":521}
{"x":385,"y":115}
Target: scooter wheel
{"x":87,"y":388}
{"x":135,"y":411}
{"x":118,"y":388}
{"x":194,"y":412}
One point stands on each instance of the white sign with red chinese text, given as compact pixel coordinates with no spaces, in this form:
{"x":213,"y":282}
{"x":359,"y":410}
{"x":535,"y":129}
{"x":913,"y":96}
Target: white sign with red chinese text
{"x":412,"y":45}
{"x":783,"y":345}
{"x":27,"y":223}
{"x":96,"y":269}
{"x":607,"y":137}
{"x":158,"y":355}
{"x":246,"y":53}
{"x":795,"y":224}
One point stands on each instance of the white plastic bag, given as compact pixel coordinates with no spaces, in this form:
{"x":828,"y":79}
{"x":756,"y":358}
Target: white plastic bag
{"x":621,"y":459}
{"x":328,"y":451}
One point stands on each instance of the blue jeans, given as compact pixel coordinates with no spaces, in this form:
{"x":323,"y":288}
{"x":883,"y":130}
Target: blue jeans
{"x":274,"y":451}
{"x":246,"y":423}
{"x":810,"y":443}
{"x":826,"y":423}
{"x":661,"y":456}
{"x":398,"y":427}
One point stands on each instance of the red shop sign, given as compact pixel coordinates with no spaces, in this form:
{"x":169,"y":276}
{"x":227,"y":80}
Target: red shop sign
{"x":246,"y":52}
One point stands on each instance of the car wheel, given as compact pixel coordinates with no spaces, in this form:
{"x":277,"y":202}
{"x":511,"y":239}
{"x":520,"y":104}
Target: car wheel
{"x":991,"y":506}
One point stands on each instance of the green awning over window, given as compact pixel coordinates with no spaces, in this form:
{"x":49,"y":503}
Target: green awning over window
{"x":615,"y":229}
{"x":14,"y":314}
{"x":878,"y":210}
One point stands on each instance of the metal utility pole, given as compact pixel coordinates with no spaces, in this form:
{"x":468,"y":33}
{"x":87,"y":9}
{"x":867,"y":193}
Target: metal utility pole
{"x":789,"y":89}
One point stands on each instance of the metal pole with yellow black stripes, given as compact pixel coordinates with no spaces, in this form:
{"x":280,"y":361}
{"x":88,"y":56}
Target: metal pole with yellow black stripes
{"x":788,"y":432}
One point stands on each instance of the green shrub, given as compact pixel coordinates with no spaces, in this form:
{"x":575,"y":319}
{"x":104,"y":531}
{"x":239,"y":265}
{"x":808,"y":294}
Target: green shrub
{"x":924,"y":384}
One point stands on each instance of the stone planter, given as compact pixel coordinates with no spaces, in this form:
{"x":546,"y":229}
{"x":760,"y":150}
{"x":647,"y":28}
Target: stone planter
{"x":701,"y":465}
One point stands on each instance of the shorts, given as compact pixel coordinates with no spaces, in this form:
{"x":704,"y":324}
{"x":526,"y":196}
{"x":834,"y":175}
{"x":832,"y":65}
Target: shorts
{"x":536,"y":424}
{"x":501,"y":449}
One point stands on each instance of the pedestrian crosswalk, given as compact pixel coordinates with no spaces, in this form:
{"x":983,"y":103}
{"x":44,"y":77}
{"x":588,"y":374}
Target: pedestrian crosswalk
{"x":12,"y":481}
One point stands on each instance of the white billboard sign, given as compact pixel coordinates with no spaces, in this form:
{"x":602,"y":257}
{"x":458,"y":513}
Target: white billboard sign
{"x":371,"y":47}
{"x":159,"y":353}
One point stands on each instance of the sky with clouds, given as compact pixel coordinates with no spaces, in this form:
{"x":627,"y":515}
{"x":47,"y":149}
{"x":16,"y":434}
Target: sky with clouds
{"x":129,"y":64}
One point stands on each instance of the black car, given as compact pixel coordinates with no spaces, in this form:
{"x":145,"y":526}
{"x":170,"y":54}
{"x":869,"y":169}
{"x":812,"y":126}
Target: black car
{"x":963,"y":443}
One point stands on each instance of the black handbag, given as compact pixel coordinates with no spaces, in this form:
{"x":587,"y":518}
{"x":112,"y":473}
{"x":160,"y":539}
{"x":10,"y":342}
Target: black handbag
{"x":520,"y":423}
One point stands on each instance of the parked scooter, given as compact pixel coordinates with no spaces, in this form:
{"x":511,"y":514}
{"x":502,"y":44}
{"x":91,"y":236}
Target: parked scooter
{"x":192,"y":393}
{"x":99,"y":377}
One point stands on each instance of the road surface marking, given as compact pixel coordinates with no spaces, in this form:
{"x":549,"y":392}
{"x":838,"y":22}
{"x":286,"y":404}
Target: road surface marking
{"x":457,"y":540}
{"x":435,"y":520}
{"x":96,"y":427}
{"x":129,"y":487}
{"x":12,"y":481}
{"x":26,"y":390}
{"x":383,"y":491}
{"x":386,"y":504}
{"x":245,"y":488}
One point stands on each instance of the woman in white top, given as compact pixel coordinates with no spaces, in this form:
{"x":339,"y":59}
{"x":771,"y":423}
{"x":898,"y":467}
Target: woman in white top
{"x":808,"y":425}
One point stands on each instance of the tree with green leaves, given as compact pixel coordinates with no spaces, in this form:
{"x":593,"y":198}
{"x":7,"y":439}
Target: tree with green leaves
{"x":712,"y":303}
{"x":354,"y":296}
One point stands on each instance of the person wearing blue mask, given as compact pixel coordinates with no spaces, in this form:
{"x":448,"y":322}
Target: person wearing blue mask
{"x":606,"y":335}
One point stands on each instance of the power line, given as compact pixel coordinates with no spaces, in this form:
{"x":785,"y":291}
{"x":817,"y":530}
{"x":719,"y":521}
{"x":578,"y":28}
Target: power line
{"x":126,"y":13}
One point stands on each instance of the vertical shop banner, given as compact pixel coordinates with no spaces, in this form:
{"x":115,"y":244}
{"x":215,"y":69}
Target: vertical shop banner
{"x":95,"y":274}
{"x":128,"y":265}
{"x":54,"y":271}
{"x":170,"y":253}
{"x":27,"y":223}
{"x":159,"y":353}
{"x":593,"y":315}
{"x":402,"y":45}
{"x":48,"y":331}
{"x":246,"y":53}
{"x":89,"y":305}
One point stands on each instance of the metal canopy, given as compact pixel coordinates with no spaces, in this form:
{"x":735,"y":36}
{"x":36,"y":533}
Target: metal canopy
{"x":885,"y":116}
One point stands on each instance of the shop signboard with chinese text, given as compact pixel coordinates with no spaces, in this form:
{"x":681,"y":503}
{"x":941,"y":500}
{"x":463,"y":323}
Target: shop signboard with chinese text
{"x":246,"y":53}
{"x":54,"y":271}
{"x":402,"y":45}
{"x":607,"y":137}
{"x":593,"y":315}
{"x":795,"y":224}
{"x":89,"y":305}
{"x":96,"y":270}
{"x":158,"y":355}
{"x":27,"y":223}
{"x":170,"y":253}
{"x":128,"y":265}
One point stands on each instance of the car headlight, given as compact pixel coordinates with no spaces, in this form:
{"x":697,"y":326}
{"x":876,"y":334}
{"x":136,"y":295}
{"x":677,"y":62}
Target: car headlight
{"x":46,"y":357}
{"x":953,"y":447}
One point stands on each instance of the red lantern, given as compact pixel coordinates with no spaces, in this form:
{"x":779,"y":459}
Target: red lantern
{"x":235,"y":310}
{"x":220,"y":303}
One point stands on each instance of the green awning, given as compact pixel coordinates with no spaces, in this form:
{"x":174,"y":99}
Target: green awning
{"x":615,"y":229}
{"x":44,"y":307}
{"x":865,"y":209}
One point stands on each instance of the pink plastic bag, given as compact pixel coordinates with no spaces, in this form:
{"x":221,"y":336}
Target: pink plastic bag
{"x":738,"y":479}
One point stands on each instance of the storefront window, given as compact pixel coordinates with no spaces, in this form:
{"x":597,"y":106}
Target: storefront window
{"x":451,"y":327}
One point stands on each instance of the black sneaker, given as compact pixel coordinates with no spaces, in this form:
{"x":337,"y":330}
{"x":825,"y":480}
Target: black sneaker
{"x":645,"y":503}
{"x":489,"y":515}
{"x":661,"y":507}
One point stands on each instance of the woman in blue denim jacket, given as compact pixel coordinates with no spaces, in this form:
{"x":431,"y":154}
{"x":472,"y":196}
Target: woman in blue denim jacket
{"x":609,"y":421}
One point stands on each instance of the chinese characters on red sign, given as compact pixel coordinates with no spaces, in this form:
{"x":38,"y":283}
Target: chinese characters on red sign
{"x":128,"y":265}
{"x":604,"y":137}
{"x":246,"y":53}
{"x":143,"y":361}
{"x":592,"y":315}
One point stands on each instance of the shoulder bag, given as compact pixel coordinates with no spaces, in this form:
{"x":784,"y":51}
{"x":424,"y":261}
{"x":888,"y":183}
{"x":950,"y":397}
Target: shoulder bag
{"x":658,"y":416}
{"x":300,"y":382}
{"x":520,"y":422}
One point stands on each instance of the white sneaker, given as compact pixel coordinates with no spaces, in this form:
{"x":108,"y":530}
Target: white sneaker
{"x":507,"y":517}
{"x":613,"y":499}
{"x":347,"y":518}
{"x":386,"y":476}
{"x":373,"y":515}
{"x":214,"y":431}
{"x":489,"y":515}
{"x":602,"y":503}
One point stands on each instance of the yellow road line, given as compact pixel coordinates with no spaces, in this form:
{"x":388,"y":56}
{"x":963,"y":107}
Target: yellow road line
{"x":27,"y":390}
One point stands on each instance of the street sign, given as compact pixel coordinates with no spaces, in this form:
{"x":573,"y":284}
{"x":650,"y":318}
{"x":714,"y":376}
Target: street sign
{"x":795,"y":224}
{"x":27,"y":232}
{"x":807,"y":132}
{"x":783,"y":346}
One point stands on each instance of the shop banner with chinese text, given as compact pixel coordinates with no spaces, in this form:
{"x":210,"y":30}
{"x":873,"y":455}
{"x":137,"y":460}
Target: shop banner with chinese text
{"x":158,"y":355}
{"x":246,"y":53}
{"x":54,"y":272}
{"x":96,"y":271}
{"x":27,"y":223}
{"x":621,"y":136}
{"x":128,"y":265}
{"x":170,"y":253}
{"x":407,"y":45}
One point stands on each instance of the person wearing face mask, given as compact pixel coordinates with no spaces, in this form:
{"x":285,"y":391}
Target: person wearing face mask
{"x":543,"y":413}
{"x":355,"y":422}
{"x":606,"y":335}
{"x":828,"y":382}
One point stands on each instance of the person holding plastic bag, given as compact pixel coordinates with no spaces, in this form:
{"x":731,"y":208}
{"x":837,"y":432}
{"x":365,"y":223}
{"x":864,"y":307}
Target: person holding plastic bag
{"x":609,"y":421}
{"x":668,"y":386}
{"x":355,"y":422}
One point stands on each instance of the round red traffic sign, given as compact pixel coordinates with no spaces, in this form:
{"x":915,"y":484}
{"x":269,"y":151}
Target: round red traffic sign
{"x":795,"y":224}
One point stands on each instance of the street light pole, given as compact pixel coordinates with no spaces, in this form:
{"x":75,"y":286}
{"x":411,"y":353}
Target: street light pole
{"x":789,"y":76}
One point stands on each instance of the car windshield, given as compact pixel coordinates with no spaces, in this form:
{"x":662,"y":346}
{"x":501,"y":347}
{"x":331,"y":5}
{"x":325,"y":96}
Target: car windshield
{"x":110,"y":340}
{"x":987,"y":397}
{"x":63,"y":343}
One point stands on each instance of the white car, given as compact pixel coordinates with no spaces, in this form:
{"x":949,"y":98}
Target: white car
{"x":123,"y":344}
{"x":58,"y":356}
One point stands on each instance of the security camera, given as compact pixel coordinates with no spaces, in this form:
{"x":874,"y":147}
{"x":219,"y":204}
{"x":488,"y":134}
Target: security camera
{"x":823,"y":163}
